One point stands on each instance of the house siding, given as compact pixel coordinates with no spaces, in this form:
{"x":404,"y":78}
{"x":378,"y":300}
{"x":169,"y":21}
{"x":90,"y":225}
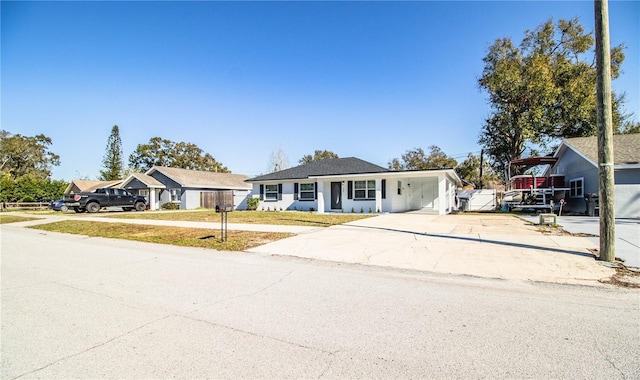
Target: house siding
{"x":572,"y":166}
{"x":627,"y":201}
{"x":626,"y":192}
{"x":286,"y":200}
{"x":136,"y":184}
{"x":415,"y":194}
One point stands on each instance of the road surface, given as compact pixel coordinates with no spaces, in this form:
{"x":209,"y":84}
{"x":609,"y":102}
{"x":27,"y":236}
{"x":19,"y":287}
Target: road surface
{"x":79,"y":307}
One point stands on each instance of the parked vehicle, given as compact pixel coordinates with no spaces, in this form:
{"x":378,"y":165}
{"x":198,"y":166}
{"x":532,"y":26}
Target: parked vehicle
{"x":104,"y":197}
{"x":58,"y":205}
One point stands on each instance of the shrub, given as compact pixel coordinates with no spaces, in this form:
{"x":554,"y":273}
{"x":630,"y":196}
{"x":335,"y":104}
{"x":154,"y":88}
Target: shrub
{"x":170,"y":206}
{"x":252,"y":203}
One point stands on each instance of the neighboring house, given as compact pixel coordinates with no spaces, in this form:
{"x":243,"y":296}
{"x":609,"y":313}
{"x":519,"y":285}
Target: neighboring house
{"x":351,"y":184}
{"x":190,"y":189}
{"x":79,"y":185}
{"x":578,"y":162}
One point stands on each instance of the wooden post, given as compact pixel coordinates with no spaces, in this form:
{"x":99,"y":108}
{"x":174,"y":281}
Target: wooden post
{"x":605,"y":132}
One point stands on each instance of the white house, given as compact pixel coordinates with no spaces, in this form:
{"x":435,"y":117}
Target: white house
{"x":578,"y":162}
{"x":353,"y":185}
{"x":190,"y":189}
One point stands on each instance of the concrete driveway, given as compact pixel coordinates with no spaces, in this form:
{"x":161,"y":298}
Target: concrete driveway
{"x":627,"y":234}
{"x":494,"y":246}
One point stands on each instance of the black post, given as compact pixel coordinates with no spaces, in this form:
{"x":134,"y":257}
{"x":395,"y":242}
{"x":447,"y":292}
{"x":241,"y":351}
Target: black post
{"x":481,"y":162}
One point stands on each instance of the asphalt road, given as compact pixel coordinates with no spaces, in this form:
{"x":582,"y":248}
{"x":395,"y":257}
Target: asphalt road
{"x":79,"y":307}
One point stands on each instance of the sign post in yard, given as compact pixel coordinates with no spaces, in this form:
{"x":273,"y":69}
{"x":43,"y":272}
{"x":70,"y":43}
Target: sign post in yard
{"x":224,"y":217}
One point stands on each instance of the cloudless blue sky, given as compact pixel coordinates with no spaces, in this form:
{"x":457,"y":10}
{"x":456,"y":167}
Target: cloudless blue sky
{"x":240,"y":79}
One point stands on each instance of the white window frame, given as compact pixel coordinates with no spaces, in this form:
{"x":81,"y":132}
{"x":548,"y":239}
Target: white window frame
{"x":307,"y":191}
{"x":176,"y":194}
{"x":271,"y":192}
{"x":574,"y":190}
{"x":399,"y":187}
{"x":366,"y":186}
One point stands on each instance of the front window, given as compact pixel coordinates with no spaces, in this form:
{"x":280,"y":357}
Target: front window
{"x":307,"y":191}
{"x":175,"y":195}
{"x":364,"y":190}
{"x":576,"y":188}
{"x":271,"y":192}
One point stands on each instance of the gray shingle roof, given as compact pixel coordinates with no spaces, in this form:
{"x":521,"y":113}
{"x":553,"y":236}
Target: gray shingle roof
{"x":328,"y":167}
{"x":147,"y":180}
{"x":90,"y":185}
{"x":626,"y":148}
{"x":201,"y":179}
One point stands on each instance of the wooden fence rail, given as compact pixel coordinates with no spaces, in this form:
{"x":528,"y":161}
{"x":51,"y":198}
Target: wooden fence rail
{"x":24,"y":205}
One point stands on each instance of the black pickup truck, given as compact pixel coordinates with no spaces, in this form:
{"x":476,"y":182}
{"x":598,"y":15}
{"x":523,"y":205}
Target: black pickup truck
{"x":104,"y":197}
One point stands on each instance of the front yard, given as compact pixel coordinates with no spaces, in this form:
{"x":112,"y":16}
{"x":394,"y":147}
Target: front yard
{"x":285,"y":218}
{"x":187,"y":237}
{"x":192,"y":237}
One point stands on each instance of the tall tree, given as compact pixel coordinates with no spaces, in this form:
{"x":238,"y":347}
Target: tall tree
{"x":23,"y":155}
{"x":541,"y":90}
{"x":112,"y":161}
{"x":317,"y":156}
{"x":469,"y":171}
{"x":279,"y":160}
{"x":417,"y":159}
{"x":163,"y":152}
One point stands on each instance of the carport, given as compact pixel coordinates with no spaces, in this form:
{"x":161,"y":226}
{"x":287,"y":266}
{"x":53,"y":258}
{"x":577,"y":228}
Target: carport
{"x":429,"y":191}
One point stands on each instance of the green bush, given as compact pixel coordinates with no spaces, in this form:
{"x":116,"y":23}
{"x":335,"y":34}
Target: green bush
{"x":170,"y":206}
{"x":29,"y":189}
{"x":252,"y":203}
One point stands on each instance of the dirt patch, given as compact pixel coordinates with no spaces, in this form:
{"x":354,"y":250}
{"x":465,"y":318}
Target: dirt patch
{"x":559,"y":231}
{"x":624,"y":278}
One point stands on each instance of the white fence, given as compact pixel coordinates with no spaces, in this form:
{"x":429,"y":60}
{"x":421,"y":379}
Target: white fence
{"x":477,"y":200}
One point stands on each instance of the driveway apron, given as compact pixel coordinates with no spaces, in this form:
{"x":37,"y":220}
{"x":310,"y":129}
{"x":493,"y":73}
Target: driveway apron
{"x":486,"y":246}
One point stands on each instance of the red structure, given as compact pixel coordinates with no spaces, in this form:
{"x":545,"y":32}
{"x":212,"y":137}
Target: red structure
{"x":528,"y":191}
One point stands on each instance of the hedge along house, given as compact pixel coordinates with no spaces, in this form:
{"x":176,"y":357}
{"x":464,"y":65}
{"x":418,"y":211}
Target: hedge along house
{"x":577,"y":161}
{"x":354,"y":185}
{"x":189,"y":189}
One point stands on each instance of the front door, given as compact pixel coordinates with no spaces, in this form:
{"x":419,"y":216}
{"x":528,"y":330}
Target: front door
{"x":336,"y":195}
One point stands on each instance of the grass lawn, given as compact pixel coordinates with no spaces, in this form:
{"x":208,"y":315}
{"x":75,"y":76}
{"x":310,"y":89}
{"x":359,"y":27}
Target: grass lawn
{"x":188,"y":237}
{"x":288,"y":218}
{"x":8,"y":218}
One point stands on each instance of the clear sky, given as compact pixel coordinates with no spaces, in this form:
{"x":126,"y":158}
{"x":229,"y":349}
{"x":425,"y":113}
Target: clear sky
{"x":240,"y":79}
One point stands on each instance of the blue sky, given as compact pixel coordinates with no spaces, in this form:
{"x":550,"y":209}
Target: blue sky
{"x":240,"y":79}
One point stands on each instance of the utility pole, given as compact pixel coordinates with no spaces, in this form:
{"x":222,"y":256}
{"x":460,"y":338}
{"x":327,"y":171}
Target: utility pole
{"x":481,"y":165}
{"x":605,"y":132}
